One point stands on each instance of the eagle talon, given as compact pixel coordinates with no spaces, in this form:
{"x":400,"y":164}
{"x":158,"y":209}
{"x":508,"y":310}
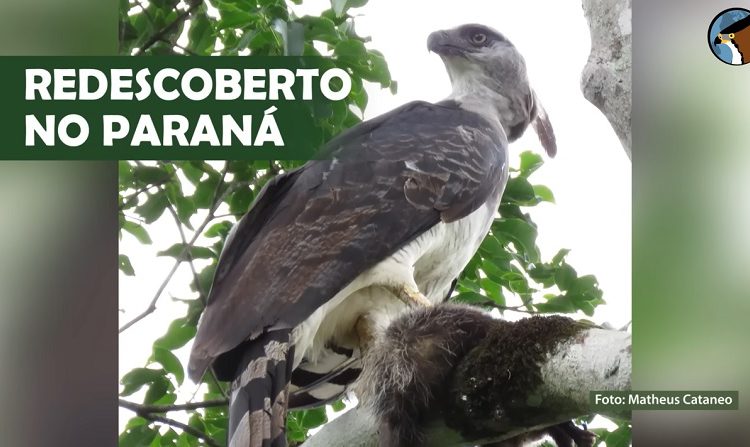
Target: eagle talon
{"x":412,"y":297}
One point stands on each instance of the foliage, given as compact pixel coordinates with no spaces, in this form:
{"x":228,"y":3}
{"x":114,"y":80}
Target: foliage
{"x":509,"y":261}
{"x":205,"y":199}
{"x":263,"y":28}
{"x":507,"y":273}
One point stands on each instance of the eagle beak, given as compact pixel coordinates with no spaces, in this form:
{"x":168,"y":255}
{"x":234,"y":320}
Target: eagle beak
{"x":440,"y":43}
{"x":718,"y":40}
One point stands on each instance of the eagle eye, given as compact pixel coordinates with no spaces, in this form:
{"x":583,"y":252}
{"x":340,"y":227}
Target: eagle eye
{"x":731,"y":36}
{"x":479,"y":38}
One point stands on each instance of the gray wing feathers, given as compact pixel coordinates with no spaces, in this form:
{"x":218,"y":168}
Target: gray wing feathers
{"x":313,"y":230}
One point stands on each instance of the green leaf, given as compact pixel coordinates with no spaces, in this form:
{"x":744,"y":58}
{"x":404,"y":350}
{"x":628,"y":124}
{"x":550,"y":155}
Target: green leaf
{"x":467,"y":285}
{"x":153,"y":207}
{"x":220,"y":229}
{"x":320,"y":28}
{"x":543,"y":274}
{"x":177,"y":250}
{"x":490,"y":246}
{"x":206,"y":277}
{"x":351,"y":51}
{"x":235,"y":18}
{"x":124,"y":173}
{"x":619,"y":438}
{"x":201,"y":34}
{"x":560,"y":256}
{"x":530,"y":162}
{"x":196,"y":422}
{"x":177,"y":336}
{"x":495,"y":273}
{"x":185,"y":208}
{"x":125,"y":266}
{"x":240,"y":201}
{"x":183,"y":440}
{"x":205,"y":191}
{"x":314,"y":417}
{"x":565,"y":277}
{"x":170,"y":362}
{"x":192,"y":172}
{"x":544,"y":194}
{"x":136,"y":378}
{"x":137,"y":230}
{"x":150,"y":174}
{"x":294,"y":430}
{"x":156,"y":390}
{"x":136,"y":422}
{"x":519,"y":190}
{"x":521,"y":233}
{"x":341,"y":6}
{"x":339,"y":405}
{"x":557,"y":304}
{"x":585,"y":307}
{"x":493,"y":291}
{"x":140,"y":436}
{"x":169,"y":439}
{"x":471,"y":298}
{"x":587,"y":284}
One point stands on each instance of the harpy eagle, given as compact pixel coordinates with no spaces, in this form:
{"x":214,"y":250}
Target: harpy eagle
{"x":332,"y":251}
{"x":737,"y":38}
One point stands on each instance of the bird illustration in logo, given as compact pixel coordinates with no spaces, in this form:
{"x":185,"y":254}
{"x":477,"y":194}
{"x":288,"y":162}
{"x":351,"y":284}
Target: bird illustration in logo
{"x":737,"y":37}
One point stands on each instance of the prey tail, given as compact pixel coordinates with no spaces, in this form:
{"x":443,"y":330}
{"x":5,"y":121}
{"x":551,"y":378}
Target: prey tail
{"x":258,"y":403}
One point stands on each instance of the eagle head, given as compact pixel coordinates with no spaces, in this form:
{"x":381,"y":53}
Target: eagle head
{"x":488,"y":72}
{"x":480,"y":52}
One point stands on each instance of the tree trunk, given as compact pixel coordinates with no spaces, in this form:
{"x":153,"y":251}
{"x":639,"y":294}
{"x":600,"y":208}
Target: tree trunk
{"x":605,"y":80}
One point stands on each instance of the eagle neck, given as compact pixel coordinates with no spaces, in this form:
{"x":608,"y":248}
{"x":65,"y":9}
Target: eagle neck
{"x":497,"y":109}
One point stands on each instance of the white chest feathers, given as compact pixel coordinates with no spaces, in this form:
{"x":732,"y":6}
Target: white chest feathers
{"x":434,"y":260}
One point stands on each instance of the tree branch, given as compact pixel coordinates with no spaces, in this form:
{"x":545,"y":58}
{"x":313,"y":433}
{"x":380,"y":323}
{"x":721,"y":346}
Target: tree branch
{"x":218,"y":199}
{"x":141,"y":408}
{"x":606,"y":78}
{"x":595,"y":359}
{"x":127,"y":201}
{"x":159,"y":36}
{"x":148,"y":412}
{"x":190,"y":259}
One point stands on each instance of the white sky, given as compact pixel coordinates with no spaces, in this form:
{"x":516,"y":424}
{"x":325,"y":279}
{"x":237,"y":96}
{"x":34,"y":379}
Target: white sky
{"x":590,"y":176}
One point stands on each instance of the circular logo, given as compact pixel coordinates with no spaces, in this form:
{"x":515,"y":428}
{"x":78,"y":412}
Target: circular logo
{"x":729,"y":36}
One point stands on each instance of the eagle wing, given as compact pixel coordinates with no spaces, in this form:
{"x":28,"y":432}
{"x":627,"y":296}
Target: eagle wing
{"x":313,"y":230}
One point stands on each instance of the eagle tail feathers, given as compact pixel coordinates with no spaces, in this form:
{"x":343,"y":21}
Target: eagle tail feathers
{"x":258,"y":402}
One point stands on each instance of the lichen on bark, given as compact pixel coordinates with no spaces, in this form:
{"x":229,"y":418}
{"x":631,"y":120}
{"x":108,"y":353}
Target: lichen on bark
{"x":500,"y":376}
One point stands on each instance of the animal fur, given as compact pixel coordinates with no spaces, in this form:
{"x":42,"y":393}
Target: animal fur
{"x":407,"y":372}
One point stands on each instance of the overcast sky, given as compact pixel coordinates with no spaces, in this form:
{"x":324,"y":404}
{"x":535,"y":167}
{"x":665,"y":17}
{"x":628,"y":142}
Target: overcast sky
{"x":590,"y":176}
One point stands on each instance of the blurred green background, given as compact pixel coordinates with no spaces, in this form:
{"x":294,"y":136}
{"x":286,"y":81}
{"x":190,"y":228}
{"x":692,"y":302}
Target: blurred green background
{"x":691,"y":253}
{"x":691,"y":211}
{"x":58,"y":27}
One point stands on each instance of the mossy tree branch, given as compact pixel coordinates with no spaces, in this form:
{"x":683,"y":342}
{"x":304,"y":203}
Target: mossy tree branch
{"x":588,"y":359}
